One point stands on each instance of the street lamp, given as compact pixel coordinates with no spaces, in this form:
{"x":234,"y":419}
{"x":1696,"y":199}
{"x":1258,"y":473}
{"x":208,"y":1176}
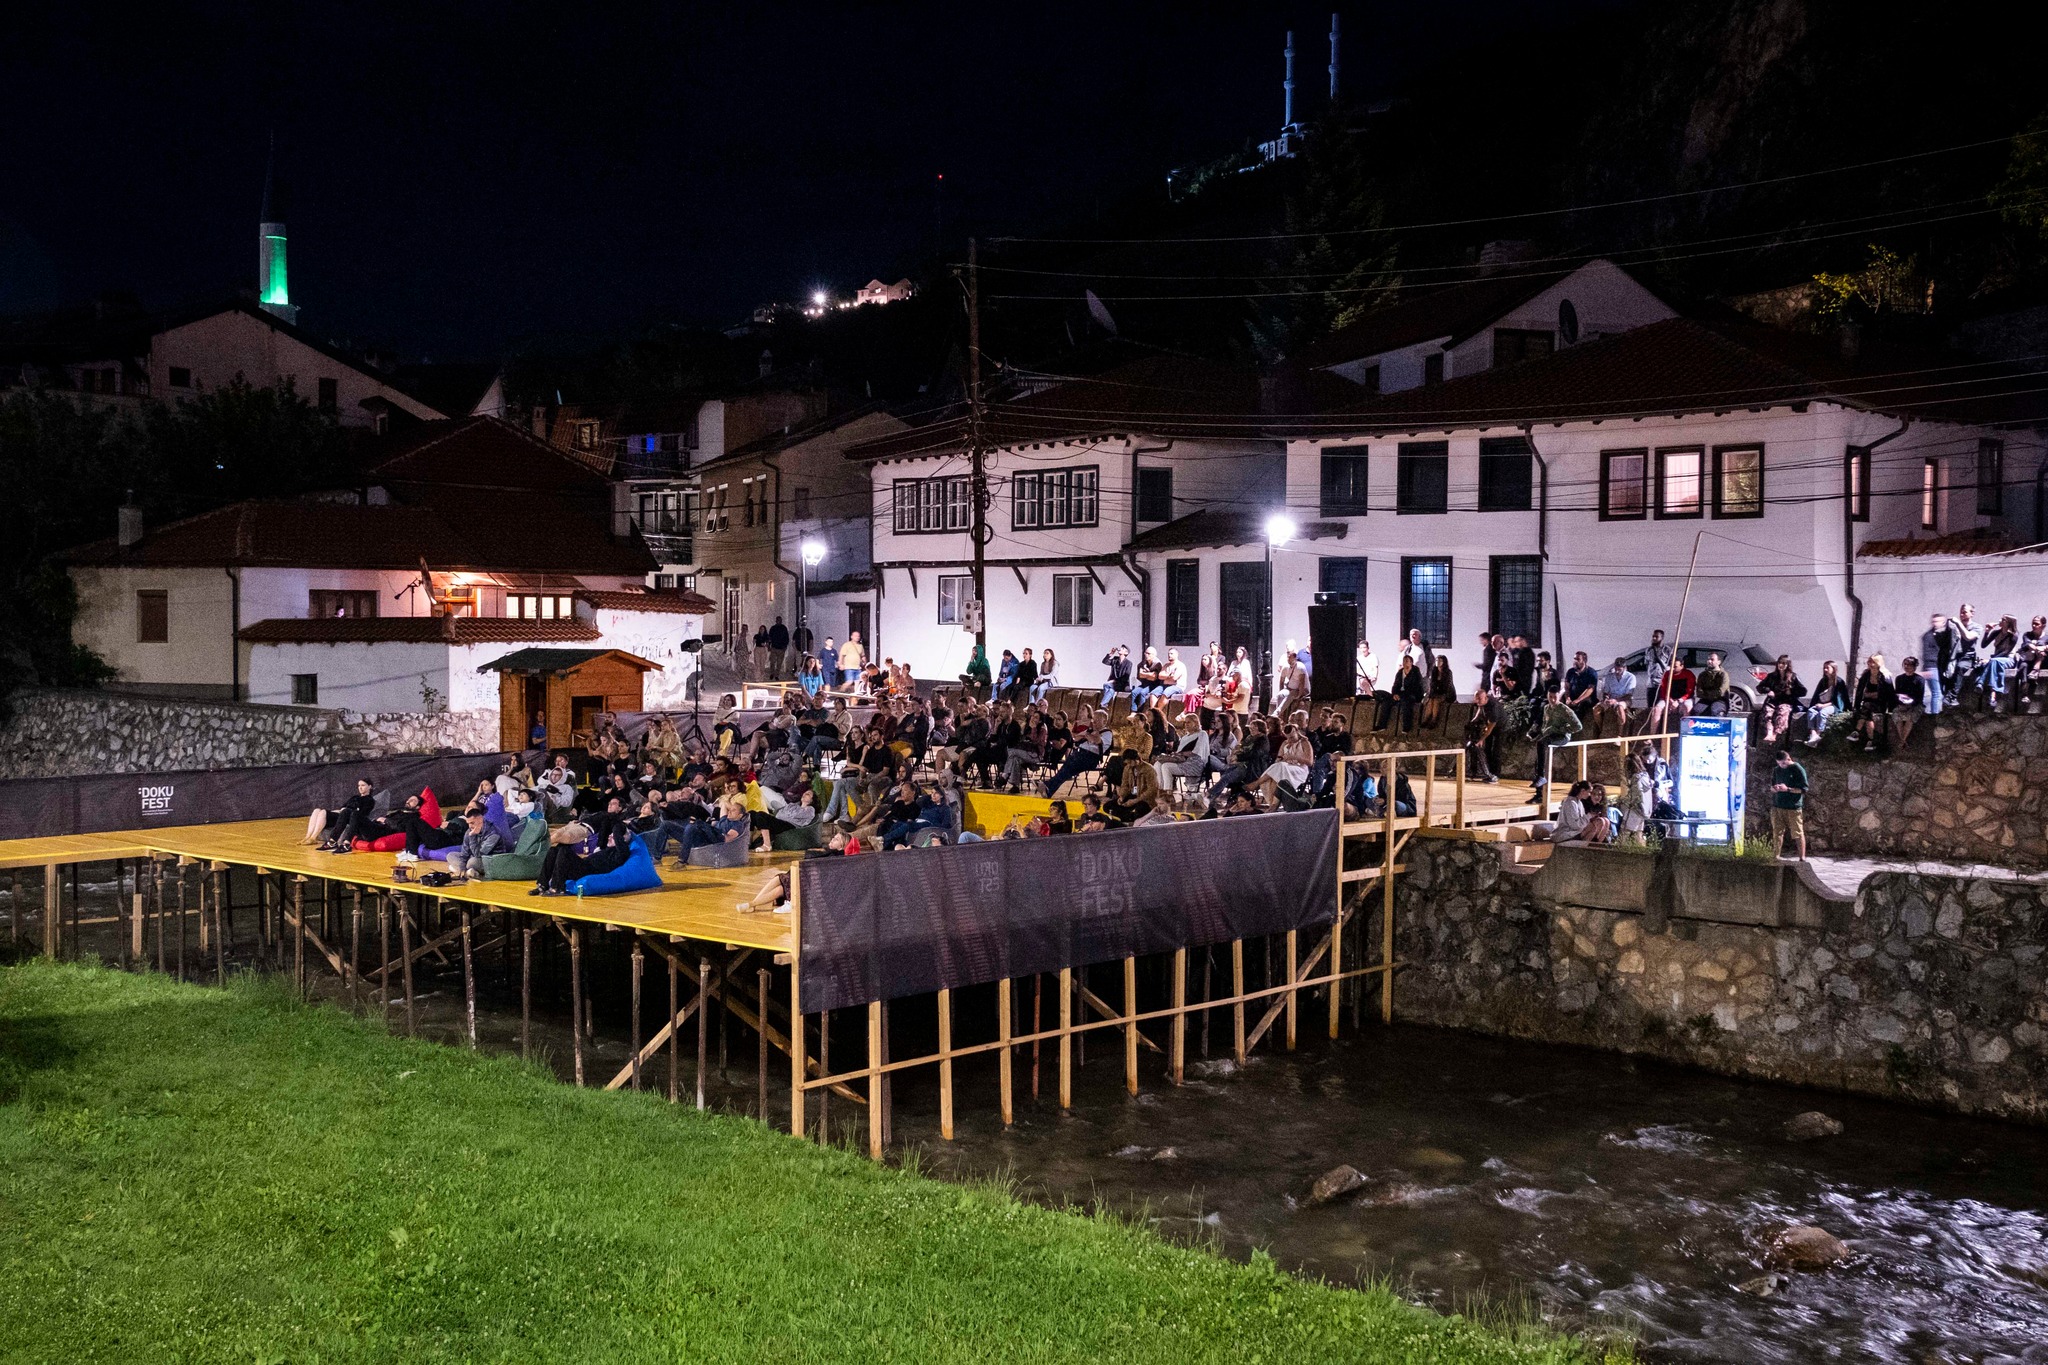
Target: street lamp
{"x":813,"y":552}
{"x":1280,"y":529}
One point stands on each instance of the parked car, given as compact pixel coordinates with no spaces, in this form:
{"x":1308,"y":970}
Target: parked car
{"x":1746,"y":665}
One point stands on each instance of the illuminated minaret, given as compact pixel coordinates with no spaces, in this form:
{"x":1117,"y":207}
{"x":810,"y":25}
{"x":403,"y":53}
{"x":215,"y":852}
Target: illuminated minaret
{"x":271,"y":290}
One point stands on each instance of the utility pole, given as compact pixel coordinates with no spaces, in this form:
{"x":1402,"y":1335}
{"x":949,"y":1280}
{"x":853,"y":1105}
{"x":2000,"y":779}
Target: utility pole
{"x":976,"y":447}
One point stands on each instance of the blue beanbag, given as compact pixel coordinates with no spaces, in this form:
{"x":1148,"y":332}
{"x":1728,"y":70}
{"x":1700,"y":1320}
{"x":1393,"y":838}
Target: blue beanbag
{"x":499,"y":819}
{"x":635,"y":874}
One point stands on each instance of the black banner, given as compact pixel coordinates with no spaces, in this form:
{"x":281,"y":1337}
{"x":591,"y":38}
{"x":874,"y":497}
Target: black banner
{"x":92,"y":805}
{"x":883,"y":926}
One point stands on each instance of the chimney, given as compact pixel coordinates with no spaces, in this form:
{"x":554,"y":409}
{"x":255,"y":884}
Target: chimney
{"x":1287,"y":87}
{"x":1333,"y":61}
{"x":540,"y":421}
{"x":128,"y":523}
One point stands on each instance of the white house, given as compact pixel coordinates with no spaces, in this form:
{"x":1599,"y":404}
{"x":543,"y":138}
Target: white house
{"x":1075,"y":471}
{"x":1461,"y":329}
{"x":1573,"y":499}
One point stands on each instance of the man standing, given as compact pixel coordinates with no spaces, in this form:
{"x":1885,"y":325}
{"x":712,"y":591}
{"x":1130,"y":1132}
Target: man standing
{"x":1971,"y":657}
{"x":1788,"y":804}
{"x":778,"y":650}
{"x":1418,"y":649}
{"x":851,"y":658}
{"x":1941,"y":646}
{"x":1482,"y":737}
{"x":1656,"y":662}
{"x":1522,"y":664}
{"x":1488,"y":657}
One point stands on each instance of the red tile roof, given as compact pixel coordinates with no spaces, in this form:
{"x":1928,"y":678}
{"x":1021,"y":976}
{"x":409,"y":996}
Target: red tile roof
{"x":481,"y":533}
{"x":1210,"y":529}
{"x":675,"y":603}
{"x":479,"y":452}
{"x":1954,"y":543}
{"x":1685,"y":366}
{"x":454,"y":630}
{"x":1157,"y":396}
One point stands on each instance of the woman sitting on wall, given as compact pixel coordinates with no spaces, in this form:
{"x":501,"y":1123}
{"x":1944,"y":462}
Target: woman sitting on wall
{"x":341,"y":827}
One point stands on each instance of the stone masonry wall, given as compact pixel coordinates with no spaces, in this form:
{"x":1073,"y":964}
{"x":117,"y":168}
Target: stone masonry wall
{"x":1926,"y":988}
{"x":68,"y":734}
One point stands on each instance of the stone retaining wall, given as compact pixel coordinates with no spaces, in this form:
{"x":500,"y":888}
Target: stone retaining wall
{"x":69,"y":734}
{"x":1931,"y":988}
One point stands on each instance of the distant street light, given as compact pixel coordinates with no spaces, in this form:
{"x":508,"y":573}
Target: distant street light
{"x":813,"y":552}
{"x":1280,"y":529}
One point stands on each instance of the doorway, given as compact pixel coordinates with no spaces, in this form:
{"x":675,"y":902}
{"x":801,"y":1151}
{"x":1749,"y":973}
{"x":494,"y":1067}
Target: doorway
{"x":858,"y":618}
{"x":1243,"y":603}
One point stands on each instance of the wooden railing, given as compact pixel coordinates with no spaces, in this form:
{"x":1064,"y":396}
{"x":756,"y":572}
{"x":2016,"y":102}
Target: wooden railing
{"x":1582,"y":748}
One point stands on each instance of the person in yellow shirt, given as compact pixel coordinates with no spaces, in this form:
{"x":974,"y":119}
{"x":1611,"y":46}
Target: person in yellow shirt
{"x":851,"y":658}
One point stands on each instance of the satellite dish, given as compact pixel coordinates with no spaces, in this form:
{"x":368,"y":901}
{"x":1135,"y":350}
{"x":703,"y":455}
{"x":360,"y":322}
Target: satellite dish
{"x":1567,"y":322}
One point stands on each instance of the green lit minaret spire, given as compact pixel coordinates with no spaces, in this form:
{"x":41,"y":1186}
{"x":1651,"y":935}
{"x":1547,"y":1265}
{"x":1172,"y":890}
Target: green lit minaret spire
{"x":271,"y":289}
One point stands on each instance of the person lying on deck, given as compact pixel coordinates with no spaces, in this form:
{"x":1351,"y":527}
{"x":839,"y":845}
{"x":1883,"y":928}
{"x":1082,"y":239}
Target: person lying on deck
{"x":419,"y":835}
{"x":341,"y":827}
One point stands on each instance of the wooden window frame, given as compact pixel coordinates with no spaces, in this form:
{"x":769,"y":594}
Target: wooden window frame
{"x":1721,"y":512}
{"x":1662,"y":476}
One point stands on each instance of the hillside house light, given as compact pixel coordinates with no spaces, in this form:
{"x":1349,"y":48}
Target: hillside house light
{"x":818,"y":297}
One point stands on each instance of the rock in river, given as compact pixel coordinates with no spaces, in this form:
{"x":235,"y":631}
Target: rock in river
{"x":1805,"y":1247}
{"x":1810,"y":1125}
{"x":1335,"y":1183}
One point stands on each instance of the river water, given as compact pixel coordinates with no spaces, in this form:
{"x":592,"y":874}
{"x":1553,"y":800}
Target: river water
{"x":1596,"y":1190}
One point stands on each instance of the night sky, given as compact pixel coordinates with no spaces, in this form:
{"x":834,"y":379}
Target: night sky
{"x":466,"y":176}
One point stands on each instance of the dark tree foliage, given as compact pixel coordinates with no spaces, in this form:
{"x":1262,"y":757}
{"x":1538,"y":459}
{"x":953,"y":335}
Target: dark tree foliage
{"x":1336,"y":264}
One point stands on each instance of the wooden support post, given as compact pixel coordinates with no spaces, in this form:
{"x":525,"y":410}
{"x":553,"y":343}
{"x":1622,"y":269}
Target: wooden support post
{"x":469,"y":981}
{"x":52,"y":926}
{"x":946,"y":1063}
{"x":220,"y":933}
{"x":724,"y":1021}
{"x":1387,"y":905}
{"x":1066,"y":1037}
{"x":299,"y":936}
{"x":761,"y":975}
{"x":875,"y":1134}
{"x":1131,"y":1024}
{"x":525,"y":990}
{"x":77,"y":948}
{"x":355,"y":948}
{"x":14,"y":908}
{"x":205,"y":929}
{"x":576,"y":999}
{"x":639,"y":961}
{"x":1293,"y":983}
{"x":1178,"y":1046}
{"x":675,"y":1005}
{"x":825,"y":1066}
{"x":137,"y":914}
{"x":405,"y":956}
{"x":182,"y":880}
{"x":798,"y":1043}
{"x":1458,"y":821}
{"x":1037,"y":1026}
{"x":1237,"y":1048}
{"x":157,"y":902}
{"x":383,"y":952}
{"x":1003,"y":1058}
{"x":703,"y":1025}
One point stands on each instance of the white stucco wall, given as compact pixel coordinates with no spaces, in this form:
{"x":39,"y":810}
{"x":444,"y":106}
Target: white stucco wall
{"x":384,"y":677}
{"x":216,"y":349}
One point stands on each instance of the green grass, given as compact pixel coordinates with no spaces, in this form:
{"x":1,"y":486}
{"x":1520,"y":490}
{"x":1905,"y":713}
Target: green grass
{"x":192,"y":1173}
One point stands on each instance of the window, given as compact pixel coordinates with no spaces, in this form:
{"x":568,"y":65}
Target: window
{"x":927,"y":505}
{"x":1930,"y":495}
{"x":1423,"y":477}
{"x":586,"y":435}
{"x":1990,"y":478}
{"x":1426,"y":599}
{"x":1621,"y":484}
{"x":1184,"y":601}
{"x":305,"y":689}
{"x":689,"y":512}
{"x":1856,"y":472}
{"x":529,"y":606}
{"x":800,"y":503}
{"x":1053,"y":498}
{"x":1512,"y":345}
{"x":664,"y":582}
{"x":1370,"y":380}
{"x":152,"y":616}
{"x":716,"y":517}
{"x":322,"y":603}
{"x":1678,"y":482}
{"x":181,"y":377}
{"x":955,"y":592}
{"x":1346,"y":575}
{"x":1344,"y":473}
{"x":330,"y":395}
{"x":1738,"y":481}
{"x":1505,"y":473}
{"x":659,"y":513}
{"x":1433,"y":368}
{"x":1155,"y":495}
{"x":1073,"y":599}
{"x":1514,"y":598}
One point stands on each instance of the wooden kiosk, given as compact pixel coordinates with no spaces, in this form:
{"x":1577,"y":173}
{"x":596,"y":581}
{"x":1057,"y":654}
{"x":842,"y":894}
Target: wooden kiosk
{"x":568,"y":686}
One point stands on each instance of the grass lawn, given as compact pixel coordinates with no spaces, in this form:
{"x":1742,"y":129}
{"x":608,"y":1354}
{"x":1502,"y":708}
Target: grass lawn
{"x":191,"y":1173}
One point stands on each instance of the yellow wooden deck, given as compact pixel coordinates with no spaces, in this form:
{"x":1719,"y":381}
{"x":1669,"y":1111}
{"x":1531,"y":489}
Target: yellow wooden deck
{"x":694,"y":902}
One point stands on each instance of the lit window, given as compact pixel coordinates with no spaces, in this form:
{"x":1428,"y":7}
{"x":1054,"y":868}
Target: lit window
{"x":1858,"y":475}
{"x":1930,"y":495}
{"x":1426,"y":599}
{"x":1621,"y":484}
{"x":1739,"y":481}
{"x":1678,"y":482}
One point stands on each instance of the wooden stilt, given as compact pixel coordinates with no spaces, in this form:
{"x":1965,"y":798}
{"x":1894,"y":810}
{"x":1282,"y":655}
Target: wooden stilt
{"x":469,"y":981}
{"x":798,"y":1063}
{"x":1177,"y":1063}
{"x":526,"y":991}
{"x":639,"y":961}
{"x":383,"y":954}
{"x":1037,"y":1013}
{"x":77,"y":947}
{"x":1387,"y":898}
{"x":1237,"y":1048}
{"x":205,"y":929}
{"x":299,"y":936}
{"x":1003,"y":1056}
{"x":825,"y":1065}
{"x":405,"y":963}
{"x":675,"y":1005}
{"x":138,"y":912}
{"x":724,"y":1021}
{"x":1131,"y":1024}
{"x":355,"y":948}
{"x":14,"y":910}
{"x":182,"y":880}
{"x":703,"y":1025}
{"x":945,"y":1063}
{"x":220,"y":933}
{"x":1293,"y":983}
{"x":52,"y":926}
{"x":158,"y":901}
{"x":576,"y":999}
{"x":875,"y":1135}
{"x":888,"y":1104}
{"x":1066,"y":1037}
{"x":761,"y":975}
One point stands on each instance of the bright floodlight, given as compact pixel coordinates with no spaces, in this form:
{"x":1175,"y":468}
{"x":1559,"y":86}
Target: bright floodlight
{"x":814,"y":553}
{"x":1280,"y":529}
{"x":818,"y":298}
